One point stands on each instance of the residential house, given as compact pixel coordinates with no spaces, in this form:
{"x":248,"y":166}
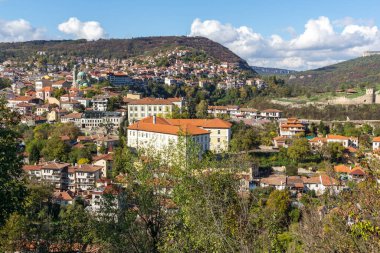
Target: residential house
{"x":56,"y":174}
{"x":345,"y":141}
{"x":375,"y":143}
{"x":292,"y":127}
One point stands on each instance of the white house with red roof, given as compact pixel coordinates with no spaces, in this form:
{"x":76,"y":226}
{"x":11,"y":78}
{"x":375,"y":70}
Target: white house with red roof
{"x":375,"y":143}
{"x":344,"y":140}
{"x":292,"y":127}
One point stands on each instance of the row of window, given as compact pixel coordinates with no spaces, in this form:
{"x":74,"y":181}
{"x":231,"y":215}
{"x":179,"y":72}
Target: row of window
{"x":150,"y":108}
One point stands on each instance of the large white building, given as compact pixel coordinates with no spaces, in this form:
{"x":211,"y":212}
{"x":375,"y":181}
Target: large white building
{"x":142,"y":108}
{"x":158,"y":133}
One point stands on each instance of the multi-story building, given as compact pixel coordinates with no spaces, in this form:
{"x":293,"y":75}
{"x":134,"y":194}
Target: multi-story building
{"x":33,"y":172}
{"x":158,"y":133}
{"x":292,"y":127}
{"x":56,"y":174}
{"x":65,"y":177}
{"x":141,"y":108}
{"x":99,"y":103}
{"x":220,"y":131}
{"x":83,"y":177}
{"x":119,"y":79}
{"x":92,"y":120}
{"x":271,"y":114}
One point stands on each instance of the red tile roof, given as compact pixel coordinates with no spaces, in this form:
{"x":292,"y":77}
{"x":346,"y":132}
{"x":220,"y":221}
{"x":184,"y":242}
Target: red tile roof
{"x":205,"y":123}
{"x":31,"y":167}
{"x":341,"y":169}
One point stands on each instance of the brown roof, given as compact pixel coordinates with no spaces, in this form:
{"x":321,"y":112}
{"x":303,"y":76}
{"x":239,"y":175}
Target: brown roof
{"x":63,"y":196}
{"x":22,"y":98}
{"x":55,"y":166}
{"x":150,"y":101}
{"x":73,"y":115}
{"x":357,"y":171}
{"x":108,"y":157}
{"x":279,"y":180}
{"x":271,"y":110}
{"x":318,"y":139}
{"x":87,"y":168}
{"x":205,"y":123}
{"x":31,"y":167}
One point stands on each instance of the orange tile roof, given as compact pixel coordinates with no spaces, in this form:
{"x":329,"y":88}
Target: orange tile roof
{"x":341,"y":168}
{"x":108,"y":157}
{"x":376,"y":139}
{"x":47,"y":88}
{"x":328,"y":181}
{"x":340,"y":137}
{"x":205,"y":123}
{"x":62,"y":196}
{"x":357,"y":171}
{"x":31,"y":167}
{"x":164,"y":126}
{"x":318,"y":139}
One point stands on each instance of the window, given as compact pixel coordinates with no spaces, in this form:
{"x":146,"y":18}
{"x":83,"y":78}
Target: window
{"x":218,"y":139}
{"x":218,"y":131}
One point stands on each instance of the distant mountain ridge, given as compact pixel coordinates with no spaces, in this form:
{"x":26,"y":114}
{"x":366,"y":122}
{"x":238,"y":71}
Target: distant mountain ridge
{"x":119,"y":48}
{"x":363,"y":71}
{"x":272,"y":71}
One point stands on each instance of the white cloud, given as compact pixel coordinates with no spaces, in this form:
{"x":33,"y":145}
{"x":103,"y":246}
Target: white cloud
{"x":19,"y":30}
{"x":90,"y":30}
{"x":321,"y":43}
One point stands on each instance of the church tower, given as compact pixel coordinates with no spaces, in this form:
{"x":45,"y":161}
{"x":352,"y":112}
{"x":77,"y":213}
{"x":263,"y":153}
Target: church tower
{"x":75,"y":73}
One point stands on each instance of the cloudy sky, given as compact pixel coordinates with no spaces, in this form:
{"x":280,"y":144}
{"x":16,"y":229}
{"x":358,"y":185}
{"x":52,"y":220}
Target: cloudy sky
{"x":296,"y":34}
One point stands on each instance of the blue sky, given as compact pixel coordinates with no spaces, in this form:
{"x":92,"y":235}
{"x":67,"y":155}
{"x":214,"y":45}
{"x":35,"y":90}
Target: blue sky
{"x":263,"y":19}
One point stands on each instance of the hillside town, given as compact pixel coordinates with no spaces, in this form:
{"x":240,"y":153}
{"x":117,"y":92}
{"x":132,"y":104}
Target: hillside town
{"x":109,"y":146}
{"x":51,"y":94}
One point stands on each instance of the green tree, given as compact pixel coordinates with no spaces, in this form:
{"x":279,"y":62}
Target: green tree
{"x":333,"y":151}
{"x":202,"y":110}
{"x":12,"y":189}
{"x":299,"y":149}
{"x":56,"y":149}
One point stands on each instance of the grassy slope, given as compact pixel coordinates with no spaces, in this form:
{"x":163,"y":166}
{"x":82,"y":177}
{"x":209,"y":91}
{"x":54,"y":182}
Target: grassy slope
{"x":348,"y":74}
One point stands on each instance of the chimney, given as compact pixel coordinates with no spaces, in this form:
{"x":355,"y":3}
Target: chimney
{"x":154,"y":119}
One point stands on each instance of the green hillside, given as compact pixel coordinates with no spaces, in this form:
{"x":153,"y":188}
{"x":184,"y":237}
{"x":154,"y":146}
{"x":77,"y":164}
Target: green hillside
{"x":119,"y":48}
{"x":359,"y":72}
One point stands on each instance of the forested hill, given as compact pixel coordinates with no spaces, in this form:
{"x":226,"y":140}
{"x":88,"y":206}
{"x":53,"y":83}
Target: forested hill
{"x":364,"y":71}
{"x":119,"y":48}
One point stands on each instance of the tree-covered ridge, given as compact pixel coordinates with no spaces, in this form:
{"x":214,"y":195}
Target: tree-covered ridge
{"x":347,"y":74}
{"x":119,"y":48}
